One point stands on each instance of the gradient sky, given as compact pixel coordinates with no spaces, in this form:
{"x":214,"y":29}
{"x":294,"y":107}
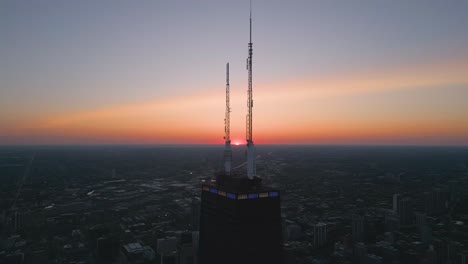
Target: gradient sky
{"x":325,"y":72}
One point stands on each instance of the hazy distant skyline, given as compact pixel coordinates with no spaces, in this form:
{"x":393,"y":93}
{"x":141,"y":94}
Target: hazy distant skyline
{"x":325,"y":72}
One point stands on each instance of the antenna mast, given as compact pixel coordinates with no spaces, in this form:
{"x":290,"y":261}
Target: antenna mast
{"x":227,"y":129}
{"x":250,"y":144}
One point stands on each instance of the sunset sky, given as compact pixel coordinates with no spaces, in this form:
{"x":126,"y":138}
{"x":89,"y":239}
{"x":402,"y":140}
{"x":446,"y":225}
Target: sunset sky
{"x":151,"y":72}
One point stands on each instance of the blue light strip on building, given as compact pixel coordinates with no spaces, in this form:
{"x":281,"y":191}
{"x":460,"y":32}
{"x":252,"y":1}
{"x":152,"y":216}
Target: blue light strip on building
{"x":252,"y":195}
{"x":274,"y":194}
{"x":241,"y":196}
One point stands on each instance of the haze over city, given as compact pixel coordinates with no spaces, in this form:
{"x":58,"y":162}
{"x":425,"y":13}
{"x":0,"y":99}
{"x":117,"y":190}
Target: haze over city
{"x":150,"y":72}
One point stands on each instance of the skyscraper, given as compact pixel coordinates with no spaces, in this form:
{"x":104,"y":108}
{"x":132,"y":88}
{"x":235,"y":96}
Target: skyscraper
{"x":358,"y":228}
{"x":392,"y":222}
{"x":405,"y":212}
{"x":240,"y":223}
{"x":396,"y":200}
{"x":436,"y":201}
{"x":240,"y":219}
{"x":320,"y":234}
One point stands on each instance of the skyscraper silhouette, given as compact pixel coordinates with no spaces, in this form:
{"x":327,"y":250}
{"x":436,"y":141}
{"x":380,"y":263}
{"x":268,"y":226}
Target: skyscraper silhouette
{"x":240,"y":222}
{"x":240,"y":219}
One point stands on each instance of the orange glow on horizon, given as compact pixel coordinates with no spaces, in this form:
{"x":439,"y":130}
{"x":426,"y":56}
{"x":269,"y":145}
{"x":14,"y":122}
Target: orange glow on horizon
{"x":310,"y":110}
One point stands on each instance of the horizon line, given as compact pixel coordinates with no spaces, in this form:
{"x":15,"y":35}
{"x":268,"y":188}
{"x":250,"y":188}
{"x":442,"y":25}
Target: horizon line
{"x":240,"y":145}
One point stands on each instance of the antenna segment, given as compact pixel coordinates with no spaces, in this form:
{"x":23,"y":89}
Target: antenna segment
{"x":250,"y":145}
{"x":227,"y":129}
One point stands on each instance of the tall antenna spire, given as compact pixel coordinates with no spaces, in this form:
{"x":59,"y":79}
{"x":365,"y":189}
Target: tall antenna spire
{"x":250,"y":145}
{"x":227,"y":121}
{"x":227,"y":128}
{"x":250,"y":21}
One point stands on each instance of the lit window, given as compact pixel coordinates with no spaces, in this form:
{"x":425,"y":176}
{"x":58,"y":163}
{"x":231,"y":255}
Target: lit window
{"x":263,"y":195}
{"x":213,"y":190}
{"x":231,"y":195}
{"x":222,"y":193}
{"x":242,"y":196}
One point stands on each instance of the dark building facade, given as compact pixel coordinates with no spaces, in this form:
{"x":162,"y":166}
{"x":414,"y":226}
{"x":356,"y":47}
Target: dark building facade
{"x":240,"y":222}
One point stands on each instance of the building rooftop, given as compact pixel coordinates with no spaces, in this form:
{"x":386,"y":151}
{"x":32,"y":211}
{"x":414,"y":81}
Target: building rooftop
{"x":239,"y":188}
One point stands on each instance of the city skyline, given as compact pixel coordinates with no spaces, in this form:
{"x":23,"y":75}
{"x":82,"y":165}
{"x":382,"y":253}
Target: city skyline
{"x":153,"y":72}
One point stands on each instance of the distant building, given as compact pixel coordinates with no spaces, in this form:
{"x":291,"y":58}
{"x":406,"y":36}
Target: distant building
{"x":440,"y":247}
{"x":2,"y":218}
{"x":389,"y":237}
{"x":107,"y":248}
{"x":431,"y":256}
{"x":396,"y":200}
{"x":426,"y":234}
{"x":320,"y":234}
{"x":392,"y":222}
{"x":420,"y":219}
{"x":195,"y":214}
{"x":168,"y":259}
{"x":15,"y":221}
{"x":454,"y":248}
{"x":148,"y":253}
{"x":436,"y":201}
{"x":185,"y":253}
{"x":358,"y":228}
{"x":462,"y":258}
{"x":292,"y":232}
{"x":195,"y":245}
{"x":405,"y":212}
{"x":455,"y":188}
{"x":424,"y":229}
{"x":360,"y":252}
{"x":167,"y":246}
{"x":132,"y":253}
